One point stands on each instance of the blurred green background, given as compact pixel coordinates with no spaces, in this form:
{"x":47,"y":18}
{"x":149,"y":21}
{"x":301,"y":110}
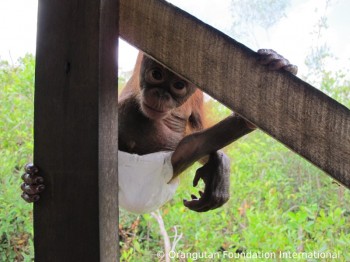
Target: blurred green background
{"x":279,"y":202}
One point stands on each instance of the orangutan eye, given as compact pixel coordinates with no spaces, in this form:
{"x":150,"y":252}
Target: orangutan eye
{"x":155,"y":75}
{"x":180,"y":85}
{"x":179,"y":88}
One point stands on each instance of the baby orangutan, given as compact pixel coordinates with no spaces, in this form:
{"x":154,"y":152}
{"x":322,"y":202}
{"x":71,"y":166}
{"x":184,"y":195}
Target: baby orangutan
{"x":161,"y":133}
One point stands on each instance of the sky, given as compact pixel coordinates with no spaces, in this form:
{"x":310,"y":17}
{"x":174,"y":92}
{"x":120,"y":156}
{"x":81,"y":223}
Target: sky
{"x":291,"y":36}
{"x":17,"y":28}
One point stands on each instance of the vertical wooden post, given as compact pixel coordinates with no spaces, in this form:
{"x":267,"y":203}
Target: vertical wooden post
{"x":75,"y":131}
{"x":108,"y":131}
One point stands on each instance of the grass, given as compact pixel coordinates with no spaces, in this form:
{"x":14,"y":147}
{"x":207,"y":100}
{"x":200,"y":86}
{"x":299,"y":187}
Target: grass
{"x":279,"y":202}
{"x":16,"y":136}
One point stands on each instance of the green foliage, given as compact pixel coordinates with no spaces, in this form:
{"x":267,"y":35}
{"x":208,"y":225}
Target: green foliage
{"x":279,"y":203}
{"x":333,"y":83}
{"x":337,"y":85}
{"x":249,"y":15}
{"x":16,"y":136}
{"x":260,"y":12}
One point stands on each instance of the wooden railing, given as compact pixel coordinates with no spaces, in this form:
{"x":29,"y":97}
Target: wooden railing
{"x":298,"y":115}
{"x":75,"y":127}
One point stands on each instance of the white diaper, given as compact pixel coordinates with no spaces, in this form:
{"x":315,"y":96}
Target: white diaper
{"x":143,"y":181}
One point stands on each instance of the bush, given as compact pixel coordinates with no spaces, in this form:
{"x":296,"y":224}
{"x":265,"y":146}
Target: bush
{"x":16,"y":136}
{"x":279,"y":202}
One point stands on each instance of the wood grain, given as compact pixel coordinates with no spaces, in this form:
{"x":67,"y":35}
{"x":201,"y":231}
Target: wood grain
{"x":298,"y":115}
{"x":108,"y":131}
{"x":75,"y":131}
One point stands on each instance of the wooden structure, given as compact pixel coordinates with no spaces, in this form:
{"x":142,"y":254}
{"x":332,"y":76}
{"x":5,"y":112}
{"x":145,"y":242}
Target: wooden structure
{"x":75,"y":110}
{"x":75,"y":131}
{"x":295,"y":113}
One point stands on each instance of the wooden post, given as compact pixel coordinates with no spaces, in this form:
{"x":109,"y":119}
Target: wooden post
{"x":295,"y":113}
{"x":75,"y":131}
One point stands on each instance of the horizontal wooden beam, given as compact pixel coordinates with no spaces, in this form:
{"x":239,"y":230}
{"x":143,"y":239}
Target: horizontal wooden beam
{"x":290,"y":110}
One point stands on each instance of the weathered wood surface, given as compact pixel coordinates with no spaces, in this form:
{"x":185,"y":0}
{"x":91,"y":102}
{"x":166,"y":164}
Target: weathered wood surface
{"x":295,"y":113}
{"x":75,"y":131}
{"x":108,"y":131}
